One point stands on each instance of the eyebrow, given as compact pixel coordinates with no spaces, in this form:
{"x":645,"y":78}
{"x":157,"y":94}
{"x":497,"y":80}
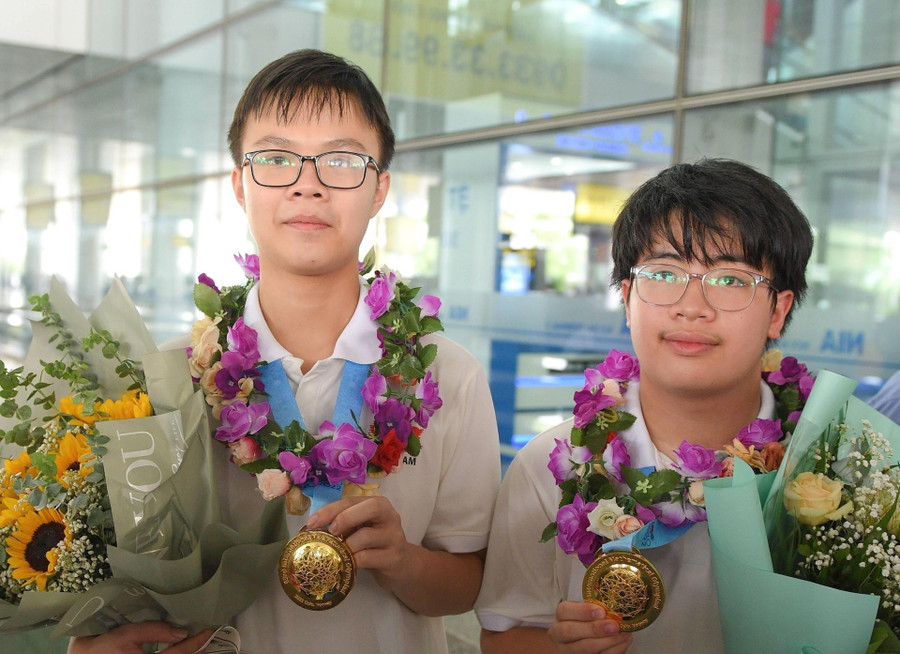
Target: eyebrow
{"x":335,"y":144}
{"x":674,"y":256}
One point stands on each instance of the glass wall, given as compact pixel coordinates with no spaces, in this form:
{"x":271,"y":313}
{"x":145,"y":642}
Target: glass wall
{"x":522,"y":125}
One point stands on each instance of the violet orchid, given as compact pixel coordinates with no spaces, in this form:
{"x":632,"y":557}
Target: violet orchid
{"x":239,"y":419}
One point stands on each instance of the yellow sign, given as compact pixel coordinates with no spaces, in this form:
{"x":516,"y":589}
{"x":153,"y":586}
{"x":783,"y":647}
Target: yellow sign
{"x":599,"y":203}
{"x":441,"y":54}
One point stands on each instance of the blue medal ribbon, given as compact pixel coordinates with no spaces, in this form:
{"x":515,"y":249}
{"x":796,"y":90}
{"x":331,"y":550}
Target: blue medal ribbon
{"x":283,"y":406}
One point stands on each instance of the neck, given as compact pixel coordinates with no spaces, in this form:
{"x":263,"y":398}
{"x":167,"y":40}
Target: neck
{"x":306,"y":314}
{"x":709,"y":418}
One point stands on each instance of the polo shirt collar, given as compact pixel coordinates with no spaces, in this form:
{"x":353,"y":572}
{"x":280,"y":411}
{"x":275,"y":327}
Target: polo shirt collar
{"x":358,"y":342}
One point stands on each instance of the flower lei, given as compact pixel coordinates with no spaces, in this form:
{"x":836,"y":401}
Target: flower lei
{"x":604,"y":498}
{"x":399,"y":390}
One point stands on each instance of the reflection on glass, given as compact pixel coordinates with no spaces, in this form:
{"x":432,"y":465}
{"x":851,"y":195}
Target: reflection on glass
{"x":736,"y":43}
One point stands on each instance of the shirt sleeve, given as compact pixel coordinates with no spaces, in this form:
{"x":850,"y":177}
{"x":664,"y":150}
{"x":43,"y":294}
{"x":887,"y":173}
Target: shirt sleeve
{"x":521,"y":586}
{"x":470,"y":456}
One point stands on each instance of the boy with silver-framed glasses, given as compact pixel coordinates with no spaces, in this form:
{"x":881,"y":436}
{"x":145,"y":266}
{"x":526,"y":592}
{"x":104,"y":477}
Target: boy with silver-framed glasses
{"x":710,"y":258}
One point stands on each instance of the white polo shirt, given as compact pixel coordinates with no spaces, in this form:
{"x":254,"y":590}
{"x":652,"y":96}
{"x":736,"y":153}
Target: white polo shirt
{"x":444,"y":497}
{"x":525,"y":579}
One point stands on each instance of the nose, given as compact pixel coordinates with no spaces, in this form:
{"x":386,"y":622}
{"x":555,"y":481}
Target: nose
{"x":308,"y":180}
{"x":693,"y":304}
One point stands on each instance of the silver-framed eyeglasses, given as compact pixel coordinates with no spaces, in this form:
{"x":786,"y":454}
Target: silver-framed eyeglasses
{"x":725,"y":289}
{"x":336,"y":169}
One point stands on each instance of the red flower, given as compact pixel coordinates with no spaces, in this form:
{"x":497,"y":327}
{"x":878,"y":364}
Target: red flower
{"x":389,"y":451}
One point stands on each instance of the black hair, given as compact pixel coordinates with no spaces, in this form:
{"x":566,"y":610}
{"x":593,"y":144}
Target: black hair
{"x":311,"y":80}
{"x":716,"y":205}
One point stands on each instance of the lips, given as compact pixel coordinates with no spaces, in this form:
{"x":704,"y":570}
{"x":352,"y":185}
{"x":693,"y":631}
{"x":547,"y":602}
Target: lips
{"x":690,"y":342}
{"x":305,"y":221}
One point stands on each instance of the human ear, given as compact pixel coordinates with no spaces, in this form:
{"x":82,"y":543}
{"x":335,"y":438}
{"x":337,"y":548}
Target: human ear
{"x":381,"y":191}
{"x":626,"y":292}
{"x":237,"y":185}
{"x":783,"y":302}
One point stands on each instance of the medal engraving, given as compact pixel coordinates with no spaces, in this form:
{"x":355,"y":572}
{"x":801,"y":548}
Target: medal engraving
{"x":626,"y":584}
{"x":317,"y":570}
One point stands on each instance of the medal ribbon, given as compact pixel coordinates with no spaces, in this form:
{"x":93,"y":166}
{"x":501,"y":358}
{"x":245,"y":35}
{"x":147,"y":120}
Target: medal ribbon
{"x":283,"y":405}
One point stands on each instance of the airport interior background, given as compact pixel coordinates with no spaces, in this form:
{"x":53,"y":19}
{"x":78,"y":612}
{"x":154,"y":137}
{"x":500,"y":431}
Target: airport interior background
{"x":521,"y":127}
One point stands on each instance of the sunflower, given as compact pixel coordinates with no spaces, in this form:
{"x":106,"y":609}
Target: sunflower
{"x":18,"y":467}
{"x":74,"y":454}
{"x":132,"y":404}
{"x":32,"y":548}
{"x":11,"y":509}
{"x":68,"y":407}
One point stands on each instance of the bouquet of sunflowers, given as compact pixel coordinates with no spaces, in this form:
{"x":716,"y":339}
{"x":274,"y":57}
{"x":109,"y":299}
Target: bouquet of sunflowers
{"x":106,"y":509}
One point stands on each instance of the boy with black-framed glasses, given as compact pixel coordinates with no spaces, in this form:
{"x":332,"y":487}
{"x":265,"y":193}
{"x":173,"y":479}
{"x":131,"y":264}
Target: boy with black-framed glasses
{"x":419,"y":539}
{"x":710,"y":258}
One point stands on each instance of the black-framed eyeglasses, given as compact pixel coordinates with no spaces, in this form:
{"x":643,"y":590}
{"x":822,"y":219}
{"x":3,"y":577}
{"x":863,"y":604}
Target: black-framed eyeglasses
{"x":725,"y":289}
{"x":336,"y":169}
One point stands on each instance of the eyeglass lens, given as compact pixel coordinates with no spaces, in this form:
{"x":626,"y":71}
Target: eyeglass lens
{"x":727,"y":289}
{"x":282,"y":168}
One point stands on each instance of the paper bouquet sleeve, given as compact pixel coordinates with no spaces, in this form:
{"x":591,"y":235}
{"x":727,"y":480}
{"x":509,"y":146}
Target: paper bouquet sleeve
{"x":759,"y":608}
{"x":174,"y":558}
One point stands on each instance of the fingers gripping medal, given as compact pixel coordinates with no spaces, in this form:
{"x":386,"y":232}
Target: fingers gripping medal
{"x":317,"y":570}
{"x":627,"y":585}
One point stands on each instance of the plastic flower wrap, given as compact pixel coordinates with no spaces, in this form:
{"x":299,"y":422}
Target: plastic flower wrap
{"x":811,"y":553}
{"x":108,"y":512}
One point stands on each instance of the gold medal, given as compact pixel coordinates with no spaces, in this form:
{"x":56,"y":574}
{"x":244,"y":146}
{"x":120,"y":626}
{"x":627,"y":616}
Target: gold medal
{"x":625,"y":584}
{"x":317,"y":570}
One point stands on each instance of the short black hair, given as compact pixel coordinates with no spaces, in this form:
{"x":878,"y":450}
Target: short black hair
{"x":311,"y":79}
{"x":713,"y":204}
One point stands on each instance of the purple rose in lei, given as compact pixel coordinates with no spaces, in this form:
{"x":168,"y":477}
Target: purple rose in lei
{"x":206,"y":280}
{"x":380,"y":294}
{"x":620,"y":366}
{"x":565,"y":458}
{"x":249,"y":263}
{"x":298,"y":467}
{"x":759,"y":432}
{"x":805,"y":387}
{"x":427,"y":392}
{"x":393,"y":414}
{"x":572,"y":533}
{"x":588,"y":404}
{"x":791,"y":370}
{"x":239,"y":419}
{"x":373,"y":390}
{"x":674,"y":514}
{"x":696,"y":461}
{"x":243,"y":340}
{"x":615,"y":455}
{"x":345,"y":456}
{"x":430,"y":305}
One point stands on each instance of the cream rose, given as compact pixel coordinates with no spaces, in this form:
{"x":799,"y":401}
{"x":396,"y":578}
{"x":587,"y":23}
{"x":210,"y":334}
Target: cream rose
{"x":204,"y":345}
{"x":626,"y":524}
{"x":245,"y":450}
{"x":813,"y":499}
{"x":272,"y":483}
{"x":695,"y":494}
{"x":603,"y":519}
{"x":611,"y":389}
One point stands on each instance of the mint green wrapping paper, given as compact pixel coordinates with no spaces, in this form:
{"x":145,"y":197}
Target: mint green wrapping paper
{"x":759,"y":608}
{"x":174,"y":559}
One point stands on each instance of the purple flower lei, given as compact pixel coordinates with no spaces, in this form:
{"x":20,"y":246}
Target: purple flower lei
{"x":594,"y":462}
{"x":400,"y":390}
